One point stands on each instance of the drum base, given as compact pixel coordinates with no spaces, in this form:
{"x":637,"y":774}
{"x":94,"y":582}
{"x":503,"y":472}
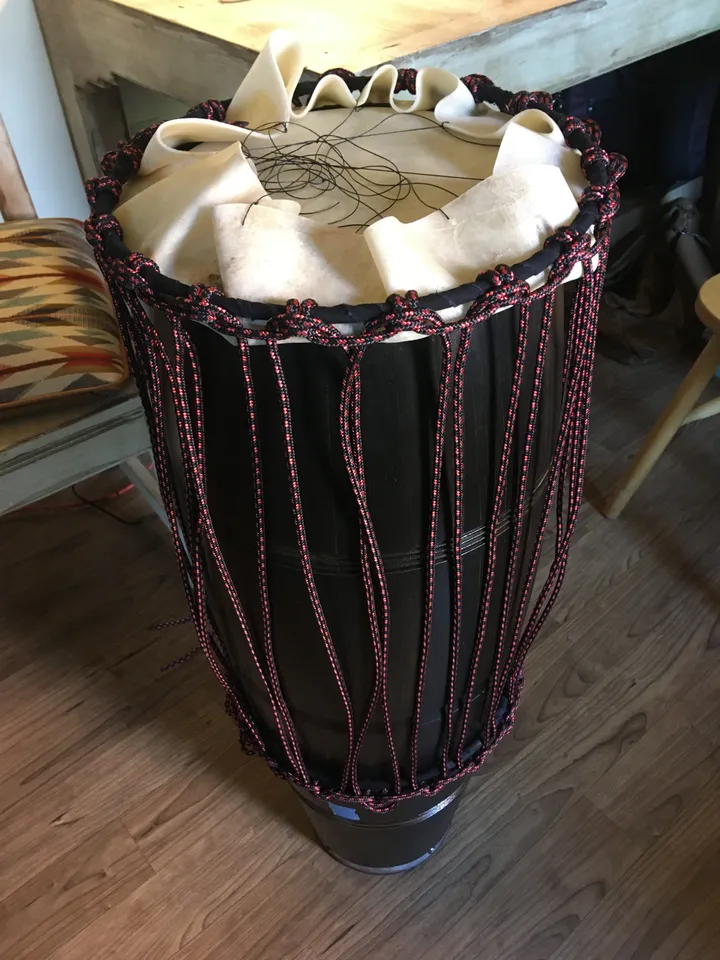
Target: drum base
{"x":400,"y":868}
{"x":402,"y":839}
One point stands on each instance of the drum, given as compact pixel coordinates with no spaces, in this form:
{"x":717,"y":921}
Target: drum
{"x":358,"y":496}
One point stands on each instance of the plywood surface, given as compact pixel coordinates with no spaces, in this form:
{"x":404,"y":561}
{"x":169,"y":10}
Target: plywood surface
{"x":133,"y":828}
{"x":357,"y":35}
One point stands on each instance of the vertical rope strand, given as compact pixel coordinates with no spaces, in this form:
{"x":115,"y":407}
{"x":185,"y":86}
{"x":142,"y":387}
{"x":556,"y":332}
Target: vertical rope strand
{"x":582,"y":335}
{"x":459,"y":465}
{"x":154,"y":351}
{"x":287,"y":731}
{"x":351,"y":441}
{"x":192,"y":439}
{"x":373,"y":545}
{"x":146,"y":365}
{"x":305,"y":551}
{"x":497,"y":682}
{"x":577,"y":448}
{"x":436,"y":477}
{"x":496,"y":510}
{"x":560,"y":465}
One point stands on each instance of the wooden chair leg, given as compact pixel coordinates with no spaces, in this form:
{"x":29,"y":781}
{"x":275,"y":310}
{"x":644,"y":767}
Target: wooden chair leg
{"x":146,"y":484}
{"x":675,"y":415}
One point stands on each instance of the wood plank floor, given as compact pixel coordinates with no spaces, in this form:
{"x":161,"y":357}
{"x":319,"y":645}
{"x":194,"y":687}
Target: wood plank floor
{"x":133,"y":828}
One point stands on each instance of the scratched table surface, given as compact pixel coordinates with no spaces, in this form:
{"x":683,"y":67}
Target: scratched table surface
{"x":357,"y":35}
{"x":190,"y":50}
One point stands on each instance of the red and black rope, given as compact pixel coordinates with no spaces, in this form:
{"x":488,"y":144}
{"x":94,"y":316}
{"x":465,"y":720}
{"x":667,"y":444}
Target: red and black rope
{"x":169,"y":378}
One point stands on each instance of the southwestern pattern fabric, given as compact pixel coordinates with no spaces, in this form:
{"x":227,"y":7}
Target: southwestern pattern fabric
{"x":58,"y":333}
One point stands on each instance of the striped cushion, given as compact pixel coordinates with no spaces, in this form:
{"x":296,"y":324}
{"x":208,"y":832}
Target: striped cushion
{"x":58,"y":333}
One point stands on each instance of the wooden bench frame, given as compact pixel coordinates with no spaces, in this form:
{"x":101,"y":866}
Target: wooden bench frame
{"x":49,"y":446}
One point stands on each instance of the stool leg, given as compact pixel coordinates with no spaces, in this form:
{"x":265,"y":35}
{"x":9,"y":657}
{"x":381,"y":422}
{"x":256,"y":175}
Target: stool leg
{"x":686,"y":396}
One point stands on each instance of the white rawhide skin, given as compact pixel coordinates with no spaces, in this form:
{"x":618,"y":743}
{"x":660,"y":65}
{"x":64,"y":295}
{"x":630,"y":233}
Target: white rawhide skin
{"x":270,"y":210}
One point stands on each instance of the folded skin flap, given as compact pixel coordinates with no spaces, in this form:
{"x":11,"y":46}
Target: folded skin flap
{"x":348,"y":205}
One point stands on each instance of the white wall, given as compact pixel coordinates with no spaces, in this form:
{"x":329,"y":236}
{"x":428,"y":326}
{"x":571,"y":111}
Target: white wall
{"x":33,"y":115}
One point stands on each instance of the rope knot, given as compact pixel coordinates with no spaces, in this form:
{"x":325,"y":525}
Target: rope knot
{"x":208,"y":110}
{"x":300,"y":311}
{"x":575,"y":248}
{"x":406,"y":81}
{"x":505,"y":291}
{"x":143,"y":137}
{"x":593,"y":130}
{"x":501,"y":276}
{"x":607,"y":200}
{"x":617,"y":168}
{"x":404,"y":315}
{"x":609,"y":206}
{"x":404,"y":306}
{"x":338,"y":72}
{"x":573,"y":241}
{"x":579,"y":130}
{"x":107,"y":163}
{"x":98,"y":227}
{"x":137,"y":265}
{"x":124,"y":162}
{"x":478,"y":85}
{"x":529,"y":100}
{"x":594,"y":160}
{"x":129,"y":159}
{"x":299,"y":319}
{"x":97,"y":187}
{"x":279,"y":327}
{"x":198,"y":296}
{"x":593,"y":194}
{"x":614,"y":164}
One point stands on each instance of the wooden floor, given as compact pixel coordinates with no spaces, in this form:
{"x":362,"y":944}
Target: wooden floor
{"x":133,"y":828}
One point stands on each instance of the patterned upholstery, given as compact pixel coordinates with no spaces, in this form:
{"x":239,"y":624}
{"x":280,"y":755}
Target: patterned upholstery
{"x":58,"y":333}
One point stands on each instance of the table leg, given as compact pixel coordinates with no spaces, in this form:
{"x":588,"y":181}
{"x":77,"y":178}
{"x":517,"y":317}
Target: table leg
{"x":93,"y":111}
{"x":103,"y":119}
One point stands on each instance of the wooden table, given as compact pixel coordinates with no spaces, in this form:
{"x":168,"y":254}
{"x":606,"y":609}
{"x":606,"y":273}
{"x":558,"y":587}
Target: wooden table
{"x":195,"y":49}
